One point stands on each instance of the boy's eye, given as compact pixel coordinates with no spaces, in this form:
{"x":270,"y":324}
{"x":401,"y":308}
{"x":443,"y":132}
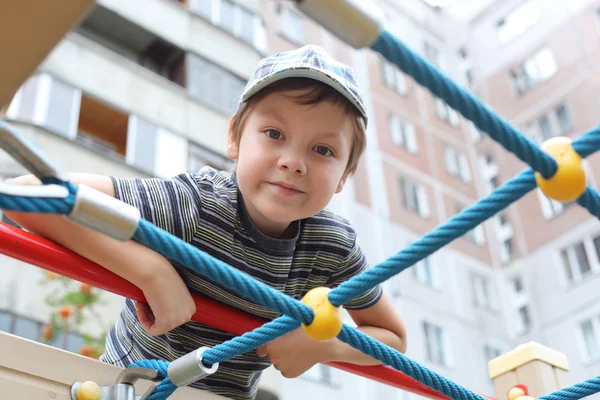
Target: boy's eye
{"x":323,"y":150}
{"x":273,"y":134}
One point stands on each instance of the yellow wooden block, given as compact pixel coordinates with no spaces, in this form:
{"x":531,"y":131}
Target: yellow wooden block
{"x":526,"y":353}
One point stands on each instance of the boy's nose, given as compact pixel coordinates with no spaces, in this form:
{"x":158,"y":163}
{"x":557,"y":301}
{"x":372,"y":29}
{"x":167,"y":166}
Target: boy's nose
{"x":292,"y":163}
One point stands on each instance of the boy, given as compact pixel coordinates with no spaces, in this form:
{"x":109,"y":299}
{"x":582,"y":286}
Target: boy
{"x":296,"y":137}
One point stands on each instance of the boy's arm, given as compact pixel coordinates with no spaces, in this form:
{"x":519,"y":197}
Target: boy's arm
{"x":145,"y":268}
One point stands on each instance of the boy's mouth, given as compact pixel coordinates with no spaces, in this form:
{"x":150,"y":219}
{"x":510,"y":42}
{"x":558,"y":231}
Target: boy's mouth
{"x":285,"y":188}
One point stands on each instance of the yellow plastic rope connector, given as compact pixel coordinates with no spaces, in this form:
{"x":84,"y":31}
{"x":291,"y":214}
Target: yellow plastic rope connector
{"x":569,"y":181}
{"x":328,"y":318}
{"x":515,"y":392}
{"x":88,"y":391}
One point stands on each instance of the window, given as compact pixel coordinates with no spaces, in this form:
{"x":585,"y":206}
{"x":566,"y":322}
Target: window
{"x":213,"y":85}
{"x":535,"y":70}
{"x":233,"y":18}
{"x":132,"y":41}
{"x":590,"y":331}
{"x":393,"y":78}
{"x":432,"y":53}
{"x":200,"y":157}
{"x":550,"y":124}
{"x":518,"y":21}
{"x":475,"y":235}
{"x":424,"y":273}
{"x":564,"y":119}
{"x":47,"y":102}
{"x":507,"y":250}
{"x":445,"y":112}
{"x":102,"y":128}
{"x":414,"y":197}
{"x":98,"y":126}
{"x":434,"y":341}
{"x":575,"y":261}
{"x":502,"y":218}
{"x":491,"y":352}
{"x":290,"y":25}
{"x":517,"y":284}
{"x":476,"y":133}
{"x":550,"y":208}
{"x":524,"y":320}
{"x":457,"y":164}
{"x":481,"y":292}
{"x":154,"y":149}
{"x":403,"y":133}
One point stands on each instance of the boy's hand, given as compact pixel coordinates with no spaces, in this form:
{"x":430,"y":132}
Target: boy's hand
{"x":295,"y":353}
{"x":170,"y":303}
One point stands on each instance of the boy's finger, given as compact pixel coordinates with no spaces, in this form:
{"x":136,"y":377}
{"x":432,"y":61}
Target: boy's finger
{"x":261,"y":351}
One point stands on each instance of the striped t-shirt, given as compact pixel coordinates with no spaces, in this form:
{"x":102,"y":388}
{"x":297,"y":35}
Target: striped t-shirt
{"x":207,"y":211}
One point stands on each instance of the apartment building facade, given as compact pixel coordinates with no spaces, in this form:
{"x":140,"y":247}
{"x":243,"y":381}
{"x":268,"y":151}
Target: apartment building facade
{"x":149,"y":93}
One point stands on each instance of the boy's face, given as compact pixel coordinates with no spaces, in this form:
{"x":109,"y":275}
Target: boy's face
{"x":291,"y":159}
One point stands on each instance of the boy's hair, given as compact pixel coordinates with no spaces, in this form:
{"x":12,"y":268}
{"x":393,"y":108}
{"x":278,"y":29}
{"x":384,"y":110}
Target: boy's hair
{"x":318,"y":92}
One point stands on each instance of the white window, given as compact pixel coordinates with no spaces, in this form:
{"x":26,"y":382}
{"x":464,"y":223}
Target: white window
{"x":48,"y":102}
{"x":590,"y":334}
{"x":445,"y":112}
{"x":475,"y":235}
{"x":155,"y":150}
{"x":290,"y":24}
{"x":424,"y":272}
{"x":580,"y":259}
{"x":518,"y":21}
{"x":433,"y":54}
{"x":507,"y":250}
{"x":232,"y":17}
{"x":436,"y":344}
{"x":403,"y":134}
{"x":457,"y":163}
{"x":550,"y":124}
{"x":212,"y":84}
{"x":481,"y":291}
{"x":393,"y":78}
{"x":550,"y":208}
{"x":200,"y":157}
{"x":475,"y":133}
{"x":414,"y":197}
{"x":491,"y":352}
{"x":523,"y":319}
{"x":535,"y":70}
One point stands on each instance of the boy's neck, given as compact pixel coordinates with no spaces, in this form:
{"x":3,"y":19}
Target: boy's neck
{"x":276,"y":230}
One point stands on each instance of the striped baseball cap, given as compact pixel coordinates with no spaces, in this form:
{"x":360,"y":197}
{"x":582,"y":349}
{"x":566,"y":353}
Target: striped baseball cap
{"x":311,"y":62}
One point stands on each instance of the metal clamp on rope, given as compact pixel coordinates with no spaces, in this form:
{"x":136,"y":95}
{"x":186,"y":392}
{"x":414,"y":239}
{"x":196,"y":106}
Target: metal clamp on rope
{"x":123,"y":389}
{"x":189,"y":368}
{"x":28,"y":154}
{"x":356,"y":22}
{"x":105,"y":214}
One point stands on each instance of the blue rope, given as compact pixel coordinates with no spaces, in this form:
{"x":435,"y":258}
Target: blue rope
{"x":165,"y":388}
{"x":399,"y":361}
{"x":455,"y":227}
{"x":591,"y":201}
{"x":588,"y":143}
{"x":198,"y":261}
{"x":250,"y":340}
{"x":466,"y":103}
{"x":43,"y":205}
{"x":575,"y":392}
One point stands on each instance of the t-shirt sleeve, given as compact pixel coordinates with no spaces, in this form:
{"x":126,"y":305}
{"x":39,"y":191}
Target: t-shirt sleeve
{"x":354,"y":264}
{"x":171,"y":204}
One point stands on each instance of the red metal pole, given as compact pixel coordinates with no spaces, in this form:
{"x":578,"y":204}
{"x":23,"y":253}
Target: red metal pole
{"x":43,"y":253}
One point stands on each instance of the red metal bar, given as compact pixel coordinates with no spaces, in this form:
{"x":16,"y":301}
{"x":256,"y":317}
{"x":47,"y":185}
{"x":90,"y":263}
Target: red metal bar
{"x":43,"y":253}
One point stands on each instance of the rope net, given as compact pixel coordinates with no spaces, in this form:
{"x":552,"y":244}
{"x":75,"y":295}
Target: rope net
{"x":293,"y":312}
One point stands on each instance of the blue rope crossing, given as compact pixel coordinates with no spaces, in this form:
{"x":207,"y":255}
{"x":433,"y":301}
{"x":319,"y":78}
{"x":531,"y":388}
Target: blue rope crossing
{"x":293,"y":311}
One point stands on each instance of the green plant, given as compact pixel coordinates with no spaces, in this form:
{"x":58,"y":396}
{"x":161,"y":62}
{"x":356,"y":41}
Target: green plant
{"x":72,"y":303}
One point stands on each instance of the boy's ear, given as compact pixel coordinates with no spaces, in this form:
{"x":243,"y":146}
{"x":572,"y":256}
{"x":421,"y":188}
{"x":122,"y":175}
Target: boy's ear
{"x":342,"y":182}
{"x":232,"y":147}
